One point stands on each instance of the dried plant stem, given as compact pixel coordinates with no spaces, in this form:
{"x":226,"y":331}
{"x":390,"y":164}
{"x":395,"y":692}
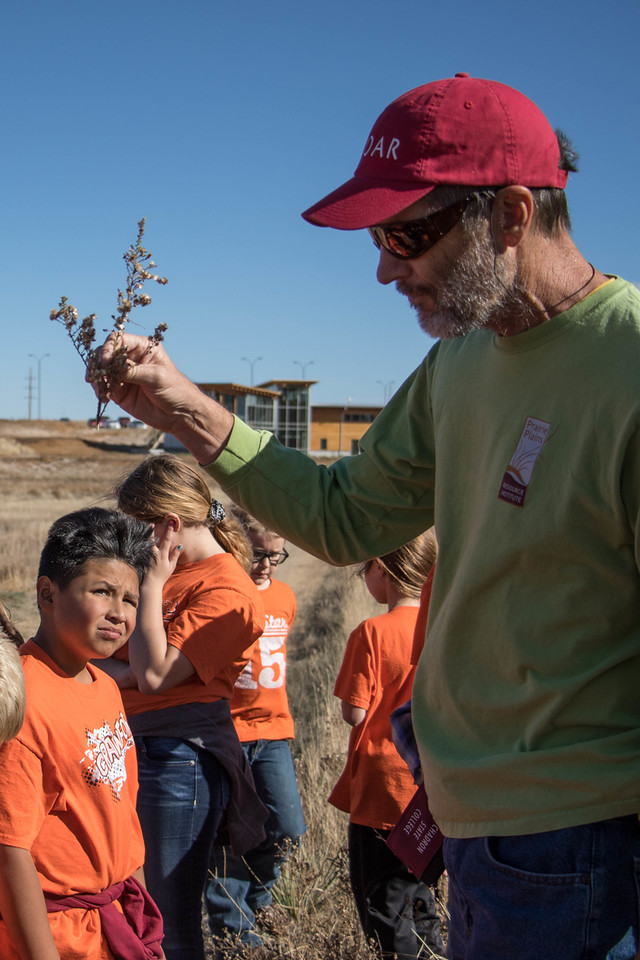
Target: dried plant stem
{"x":139,"y":266}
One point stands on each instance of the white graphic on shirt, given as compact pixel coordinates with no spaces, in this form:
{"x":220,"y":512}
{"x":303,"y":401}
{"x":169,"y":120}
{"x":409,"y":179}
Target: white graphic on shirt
{"x":105,"y":755}
{"x":169,"y":610}
{"x":272,"y":662}
{"x":518,"y":474}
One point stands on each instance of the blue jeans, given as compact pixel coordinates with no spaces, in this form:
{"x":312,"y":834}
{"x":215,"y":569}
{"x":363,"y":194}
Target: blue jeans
{"x":240,"y":886}
{"x":571,"y":894}
{"x":182,"y":796}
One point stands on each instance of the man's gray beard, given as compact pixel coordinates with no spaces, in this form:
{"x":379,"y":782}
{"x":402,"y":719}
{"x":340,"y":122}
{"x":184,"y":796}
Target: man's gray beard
{"x":471,"y":295}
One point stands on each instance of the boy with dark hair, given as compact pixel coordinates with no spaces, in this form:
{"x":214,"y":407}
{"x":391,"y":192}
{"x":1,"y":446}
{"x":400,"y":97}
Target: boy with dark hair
{"x":71,"y":850}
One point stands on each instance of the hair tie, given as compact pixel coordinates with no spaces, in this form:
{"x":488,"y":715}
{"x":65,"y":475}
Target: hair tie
{"x":217,"y":512}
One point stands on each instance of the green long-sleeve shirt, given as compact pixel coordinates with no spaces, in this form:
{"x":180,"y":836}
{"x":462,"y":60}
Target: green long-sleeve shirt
{"x":525,"y":452}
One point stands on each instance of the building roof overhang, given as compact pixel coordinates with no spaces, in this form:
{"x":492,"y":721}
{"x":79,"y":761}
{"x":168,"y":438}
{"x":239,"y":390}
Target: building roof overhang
{"x":237,"y":389}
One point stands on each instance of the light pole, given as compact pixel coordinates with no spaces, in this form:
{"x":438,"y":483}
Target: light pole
{"x":251,"y":363}
{"x":39,"y":362}
{"x":303,"y":366}
{"x":343,"y":415}
{"x":387,"y":388}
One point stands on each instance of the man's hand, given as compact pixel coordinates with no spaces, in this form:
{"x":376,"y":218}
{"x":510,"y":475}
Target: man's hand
{"x":155,"y":392}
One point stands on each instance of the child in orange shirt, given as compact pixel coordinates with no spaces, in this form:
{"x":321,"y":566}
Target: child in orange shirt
{"x":199,"y":617}
{"x":395,"y":908}
{"x":71,"y":848}
{"x":240,"y":887}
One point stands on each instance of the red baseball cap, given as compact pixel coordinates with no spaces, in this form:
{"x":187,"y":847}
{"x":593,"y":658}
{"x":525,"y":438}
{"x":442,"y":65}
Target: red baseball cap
{"x":461,"y":131}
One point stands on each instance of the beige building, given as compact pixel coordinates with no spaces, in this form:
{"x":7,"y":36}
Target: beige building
{"x":280,"y":406}
{"x":283,"y":407}
{"x":336,"y":430}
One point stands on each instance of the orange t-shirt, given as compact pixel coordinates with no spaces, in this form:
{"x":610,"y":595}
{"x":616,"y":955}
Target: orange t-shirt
{"x":377,"y":675}
{"x":68,"y":785}
{"x":259,"y":704}
{"x":213,"y":614}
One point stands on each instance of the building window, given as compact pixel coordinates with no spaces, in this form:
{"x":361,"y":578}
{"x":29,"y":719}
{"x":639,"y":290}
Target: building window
{"x":359,"y":417}
{"x":293,"y":417}
{"x":355,"y":447}
{"x":323,"y":443}
{"x":260,"y":412}
{"x":226,"y":400}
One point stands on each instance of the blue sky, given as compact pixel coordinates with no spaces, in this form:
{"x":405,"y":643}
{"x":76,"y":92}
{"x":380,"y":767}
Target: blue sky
{"x":220,"y":123}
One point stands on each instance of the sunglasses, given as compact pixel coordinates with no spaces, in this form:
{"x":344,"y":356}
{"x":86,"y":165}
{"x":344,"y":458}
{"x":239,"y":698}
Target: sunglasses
{"x":259,"y":556}
{"x":411,"y":239}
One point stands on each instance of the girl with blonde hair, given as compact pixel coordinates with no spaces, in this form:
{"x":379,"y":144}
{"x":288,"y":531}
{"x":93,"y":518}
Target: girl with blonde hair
{"x":396,"y":909}
{"x":198,"y":619}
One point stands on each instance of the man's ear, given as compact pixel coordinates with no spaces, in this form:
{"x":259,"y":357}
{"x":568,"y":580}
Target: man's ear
{"x":44,"y":592}
{"x":511,"y":216}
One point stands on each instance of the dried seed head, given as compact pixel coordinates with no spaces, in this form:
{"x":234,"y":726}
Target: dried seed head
{"x":137,"y":259}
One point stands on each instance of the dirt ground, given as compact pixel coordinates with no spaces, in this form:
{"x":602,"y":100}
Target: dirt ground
{"x":49,"y":468}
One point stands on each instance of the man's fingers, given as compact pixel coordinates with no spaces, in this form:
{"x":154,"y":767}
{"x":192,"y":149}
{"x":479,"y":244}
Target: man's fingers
{"x":137,"y":348}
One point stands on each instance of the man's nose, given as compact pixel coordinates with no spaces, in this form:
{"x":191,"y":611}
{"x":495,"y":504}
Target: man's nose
{"x":391,"y":268}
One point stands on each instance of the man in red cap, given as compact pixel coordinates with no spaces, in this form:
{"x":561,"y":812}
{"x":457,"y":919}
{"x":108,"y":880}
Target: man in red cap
{"x":519,"y":436}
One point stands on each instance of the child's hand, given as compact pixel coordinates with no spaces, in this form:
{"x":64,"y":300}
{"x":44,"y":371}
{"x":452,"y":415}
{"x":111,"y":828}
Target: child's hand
{"x":166,"y":551}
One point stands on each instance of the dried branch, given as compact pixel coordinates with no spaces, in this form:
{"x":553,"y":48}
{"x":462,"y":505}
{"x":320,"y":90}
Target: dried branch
{"x":139,"y":264}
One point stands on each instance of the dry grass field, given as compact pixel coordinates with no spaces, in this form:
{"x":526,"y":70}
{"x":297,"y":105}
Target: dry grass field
{"x":48,"y":469}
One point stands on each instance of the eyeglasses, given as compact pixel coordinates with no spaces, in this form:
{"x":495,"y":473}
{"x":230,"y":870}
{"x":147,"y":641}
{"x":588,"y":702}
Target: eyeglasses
{"x":274,"y":558}
{"x":411,"y":238}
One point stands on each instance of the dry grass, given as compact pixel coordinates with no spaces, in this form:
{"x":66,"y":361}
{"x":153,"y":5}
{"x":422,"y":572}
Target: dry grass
{"x":319,"y":915}
{"x":43,"y":475}
{"x":47,"y":470}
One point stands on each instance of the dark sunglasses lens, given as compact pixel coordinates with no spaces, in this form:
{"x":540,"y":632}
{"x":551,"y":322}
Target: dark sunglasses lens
{"x":406,"y":243}
{"x":398,"y":241}
{"x":409,"y":240}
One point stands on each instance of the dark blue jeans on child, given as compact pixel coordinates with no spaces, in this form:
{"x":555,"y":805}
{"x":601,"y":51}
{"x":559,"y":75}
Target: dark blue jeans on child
{"x":183,"y":794}
{"x":239,"y":887}
{"x":397,"y":910}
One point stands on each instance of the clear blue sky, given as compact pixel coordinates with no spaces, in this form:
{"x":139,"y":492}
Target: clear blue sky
{"x":220,"y":123}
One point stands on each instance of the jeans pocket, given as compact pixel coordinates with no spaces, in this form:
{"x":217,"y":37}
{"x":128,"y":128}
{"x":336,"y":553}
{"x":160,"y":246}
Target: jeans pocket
{"x":167,"y":750}
{"x":521,"y":858}
{"x":536,"y":910}
{"x":167,"y":772}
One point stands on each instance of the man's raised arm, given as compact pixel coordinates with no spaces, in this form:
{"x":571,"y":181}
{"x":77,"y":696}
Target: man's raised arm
{"x":155,"y":392}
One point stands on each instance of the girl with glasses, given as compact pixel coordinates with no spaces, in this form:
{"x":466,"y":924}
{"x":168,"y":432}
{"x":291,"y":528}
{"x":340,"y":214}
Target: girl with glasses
{"x":239,"y":889}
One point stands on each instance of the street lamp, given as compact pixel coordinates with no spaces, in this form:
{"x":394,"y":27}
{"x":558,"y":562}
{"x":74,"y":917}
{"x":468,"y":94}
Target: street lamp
{"x":251,"y":363}
{"x":303,"y":366}
{"x":39,"y":362}
{"x":387,"y":388}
